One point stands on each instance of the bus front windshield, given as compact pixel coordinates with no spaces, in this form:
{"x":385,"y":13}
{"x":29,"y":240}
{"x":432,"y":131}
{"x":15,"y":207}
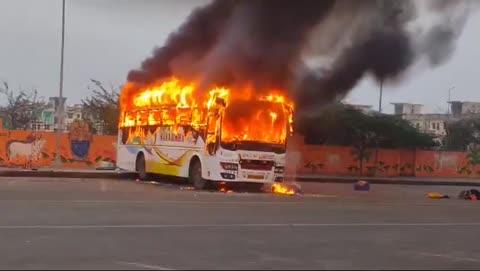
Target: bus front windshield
{"x":258,"y":122}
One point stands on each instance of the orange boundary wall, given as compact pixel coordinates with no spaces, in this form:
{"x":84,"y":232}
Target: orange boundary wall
{"x":339,"y":160}
{"x":31,"y":149}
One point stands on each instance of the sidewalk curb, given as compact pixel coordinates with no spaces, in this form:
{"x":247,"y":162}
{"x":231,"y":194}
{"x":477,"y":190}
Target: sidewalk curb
{"x":350,"y":180}
{"x":305,"y":179}
{"x":67,"y":174}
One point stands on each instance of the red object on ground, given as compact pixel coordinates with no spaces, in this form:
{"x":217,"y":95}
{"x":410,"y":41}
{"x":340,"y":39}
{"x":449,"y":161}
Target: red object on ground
{"x":361,"y":186}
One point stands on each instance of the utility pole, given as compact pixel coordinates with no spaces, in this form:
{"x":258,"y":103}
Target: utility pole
{"x":60,"y":95}
{"x":381,"y":5}
{"x":380,"y":98}
{"x":449,"y":99}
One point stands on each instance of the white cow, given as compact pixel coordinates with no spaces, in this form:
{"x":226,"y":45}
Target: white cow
{"x":31,"y":151}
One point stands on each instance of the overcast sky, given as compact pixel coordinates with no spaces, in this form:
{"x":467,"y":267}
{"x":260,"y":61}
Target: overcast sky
{"x":105,"y":39}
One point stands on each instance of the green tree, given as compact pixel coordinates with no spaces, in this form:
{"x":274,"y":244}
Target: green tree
{"x":102,"y":107}
{"x":461,"y":134}
{"x":21,"y":107}
{"x":338,"y":124}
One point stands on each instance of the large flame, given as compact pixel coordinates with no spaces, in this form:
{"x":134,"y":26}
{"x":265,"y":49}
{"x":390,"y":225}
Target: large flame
{"x":246,"y":116}
{"x":167,"y":93}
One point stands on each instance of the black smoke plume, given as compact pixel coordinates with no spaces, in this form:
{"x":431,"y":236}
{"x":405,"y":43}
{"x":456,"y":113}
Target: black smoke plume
{"x":267,"y":44}
{"x":230,"y":42}
{"x":194,"y":38}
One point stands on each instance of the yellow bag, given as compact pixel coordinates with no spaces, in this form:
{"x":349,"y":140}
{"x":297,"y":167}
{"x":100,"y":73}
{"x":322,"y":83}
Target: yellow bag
{"x":436,"y":195}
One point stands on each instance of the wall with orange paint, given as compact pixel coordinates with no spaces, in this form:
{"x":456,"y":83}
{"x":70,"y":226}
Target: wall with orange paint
{"x":305,"y":159}
{"x":446,"y":164}
{"x":31,"y":149}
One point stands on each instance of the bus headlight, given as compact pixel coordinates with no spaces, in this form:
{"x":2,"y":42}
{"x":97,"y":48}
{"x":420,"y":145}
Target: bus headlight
{"x":229,"y":166}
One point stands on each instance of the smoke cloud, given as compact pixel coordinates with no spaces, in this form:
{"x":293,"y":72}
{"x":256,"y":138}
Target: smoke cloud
{"x":193,"y":39}
{"x":269,"y":44}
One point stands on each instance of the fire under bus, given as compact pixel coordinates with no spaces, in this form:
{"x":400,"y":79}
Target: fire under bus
{"x":223,"y":136}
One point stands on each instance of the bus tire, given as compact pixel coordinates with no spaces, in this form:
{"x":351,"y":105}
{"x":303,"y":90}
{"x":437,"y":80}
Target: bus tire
{"x":140,"y":167}
{"x":195,"y":175}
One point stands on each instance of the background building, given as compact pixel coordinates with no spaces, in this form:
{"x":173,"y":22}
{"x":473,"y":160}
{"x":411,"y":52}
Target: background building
{"x":464,"y":109}
{"x":47,"y":119}
{"x":407,"y":108}
{"x":433,"y":124}
{"x":72,"y":113}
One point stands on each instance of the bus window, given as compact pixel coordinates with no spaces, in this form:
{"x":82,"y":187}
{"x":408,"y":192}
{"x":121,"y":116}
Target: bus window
{"x":125,"y":134}
{"x":168,"y":116}
{"x":213,"y":125}
{"x":142,"y":118}
{"x":184,"y":116}
{"x":155,"y":117}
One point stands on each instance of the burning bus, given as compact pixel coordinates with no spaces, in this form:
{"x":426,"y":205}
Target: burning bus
{"x":218,"y":135}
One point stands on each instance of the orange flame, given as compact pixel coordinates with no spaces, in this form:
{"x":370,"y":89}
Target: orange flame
{"x":169,"y":92}
{"x":279,"y":188}
{"x":245,"y":116}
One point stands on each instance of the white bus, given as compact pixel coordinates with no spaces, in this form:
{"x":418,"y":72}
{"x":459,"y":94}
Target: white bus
{"x":164,"y":130}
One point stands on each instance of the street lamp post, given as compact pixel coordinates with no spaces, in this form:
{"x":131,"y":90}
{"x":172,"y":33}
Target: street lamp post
{"x":380,"y":98}
{"x":60,"y":95}
{"x":449,"y":99}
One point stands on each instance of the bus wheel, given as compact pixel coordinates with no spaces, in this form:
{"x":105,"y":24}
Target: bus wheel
{"x":140,"y":167}
{"x":195,"y":175}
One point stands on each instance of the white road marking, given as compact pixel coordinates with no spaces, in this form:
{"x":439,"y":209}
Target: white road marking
{"x":145,"y":266}
{"x":446,"y":256}
{"x":251,"y":225}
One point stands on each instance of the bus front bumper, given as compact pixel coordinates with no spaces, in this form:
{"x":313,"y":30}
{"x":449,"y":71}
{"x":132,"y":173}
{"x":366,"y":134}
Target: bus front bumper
{"x":250,"y":176}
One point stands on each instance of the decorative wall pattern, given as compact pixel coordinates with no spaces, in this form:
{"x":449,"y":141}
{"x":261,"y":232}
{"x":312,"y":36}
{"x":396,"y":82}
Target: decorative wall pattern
{"x":78,"y":148}
{"x":340,"y":160}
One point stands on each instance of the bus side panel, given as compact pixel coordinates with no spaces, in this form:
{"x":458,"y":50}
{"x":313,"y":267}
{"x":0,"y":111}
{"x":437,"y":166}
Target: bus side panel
{"x":169,"y":160}
{"x":210,"y":170}
{"x":126,"y":156}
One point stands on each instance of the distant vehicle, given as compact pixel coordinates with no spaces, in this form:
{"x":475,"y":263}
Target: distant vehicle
{"x":226,"y":136}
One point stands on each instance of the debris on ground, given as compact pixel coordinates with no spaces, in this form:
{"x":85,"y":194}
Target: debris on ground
{"x":437,"y":195}
{"x":361,"y":186}
{"x":187,"y":188}
{"x":225,"y":190}
{"x":224,"y":187}
{"x":470,"y":194}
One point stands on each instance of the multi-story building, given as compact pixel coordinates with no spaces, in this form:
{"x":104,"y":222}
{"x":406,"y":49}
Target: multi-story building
{"x":464,"y":109}
{"x":434,"y":124}
{"x":407,"y":108}
{"x":47,"y":119}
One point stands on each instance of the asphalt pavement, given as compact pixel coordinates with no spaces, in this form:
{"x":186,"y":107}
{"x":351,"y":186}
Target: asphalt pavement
{"x":55,"y":223}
